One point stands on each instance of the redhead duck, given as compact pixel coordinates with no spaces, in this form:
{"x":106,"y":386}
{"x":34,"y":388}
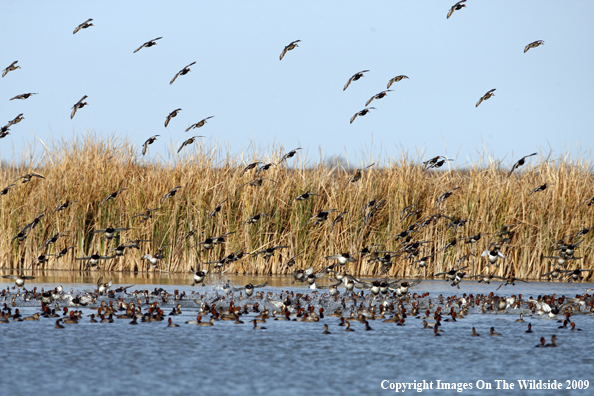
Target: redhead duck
{"x":539,"y":188}
{"x":533,"y":44}
{"x":171,"y":324}
{"x":493,"y":333}
{"x":262,"y":318}
{"x":263,"y":168}
{"x":456,"y":7}
{"x":284,"y":317}
{"x":17,"y":315}
{"x":109,"y":319}
{"x":564,"y":325}
{"x":83,"y":25}
{"x":520,"y":162}
{"x":427,"y":325}
{"x":209,"y":323}
{"x":171,"y":193}
{"x":291,"y":46}
{"x":395,"y":79}
{"x":552,"y":344}
{"x":150,"y":140}
{"x":10,"y":68}
{"x":176,"y":310}
{"x":486,"y":96}
{"x":72,"y":319}
{"x":187,"y":142}
{"x":511,"y":281}
{"x":326,"y":330}
{"x":394,"y":319}
{"x":378,"y":96}
{"x":148,"y":44}
{"x":521,"y":318}
{"x":256,"y":327}
{"x":78,"y":105}
{"x":200,"y":124}
{"x":182,"y":72}
{"x":355,"y":77}
{"x":573,"y":328}
{"x":111,"y":196}
{"x":474,"y":333}
{"x":436,"y":330}
{"x":361,"y":113}
{"x":288,"y":155}
{"x":453,"y":316}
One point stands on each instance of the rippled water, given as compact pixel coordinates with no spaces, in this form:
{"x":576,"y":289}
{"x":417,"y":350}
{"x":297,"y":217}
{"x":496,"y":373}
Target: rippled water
{"x":288,"y":358}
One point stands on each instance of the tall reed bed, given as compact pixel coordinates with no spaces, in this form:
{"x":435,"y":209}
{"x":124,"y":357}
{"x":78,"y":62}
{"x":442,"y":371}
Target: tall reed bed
{"x":88,"y":169}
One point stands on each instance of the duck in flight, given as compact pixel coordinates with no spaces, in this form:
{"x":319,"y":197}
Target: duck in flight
{"x":10,"y":68}
{"x":534,"y":44}
{"x":148,"y":44}
{"x":456,"y":7}
{"x":486,"y":96}
{"x":289,"y":47}
{"x":83,"y":25}
{"x":78,"y":105}
{"x":355,"y":77}
{"x":182,"y":72}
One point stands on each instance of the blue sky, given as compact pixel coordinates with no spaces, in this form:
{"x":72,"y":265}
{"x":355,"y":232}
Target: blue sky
{"x":543,"y":99}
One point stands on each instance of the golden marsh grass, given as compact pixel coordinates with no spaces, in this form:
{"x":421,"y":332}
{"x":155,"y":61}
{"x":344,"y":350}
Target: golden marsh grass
{"x":88,"y":169}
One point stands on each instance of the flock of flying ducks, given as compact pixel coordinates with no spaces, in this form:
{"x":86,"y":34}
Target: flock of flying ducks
{"x":291,"y":46}
{"x":409,"y":248}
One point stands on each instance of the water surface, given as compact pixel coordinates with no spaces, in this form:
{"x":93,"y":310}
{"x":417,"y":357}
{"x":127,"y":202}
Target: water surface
{"x":288,"y":358}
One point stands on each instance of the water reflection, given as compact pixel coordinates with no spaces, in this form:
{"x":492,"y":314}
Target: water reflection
{"x":45,"y":277}
{"x":52,"y":278}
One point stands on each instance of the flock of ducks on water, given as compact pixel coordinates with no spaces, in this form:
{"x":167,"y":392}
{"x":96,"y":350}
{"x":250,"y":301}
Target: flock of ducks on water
{"x":391,"y":303}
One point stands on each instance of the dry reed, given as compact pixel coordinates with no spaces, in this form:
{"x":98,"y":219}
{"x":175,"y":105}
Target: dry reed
{"x":88,"y":169}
